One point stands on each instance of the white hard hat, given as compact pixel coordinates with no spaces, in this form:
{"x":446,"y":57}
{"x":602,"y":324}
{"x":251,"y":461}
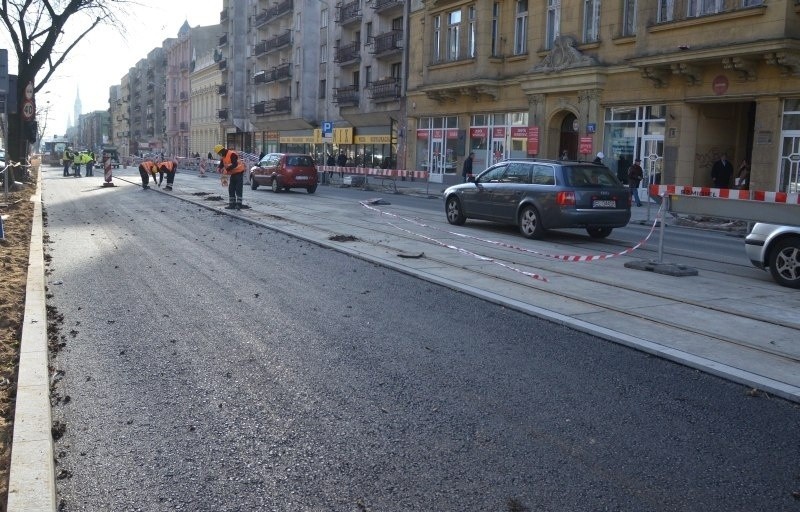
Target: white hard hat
{"x":600,"y":155}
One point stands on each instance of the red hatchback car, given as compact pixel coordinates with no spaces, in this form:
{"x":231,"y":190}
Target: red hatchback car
{"x":283,"y":171}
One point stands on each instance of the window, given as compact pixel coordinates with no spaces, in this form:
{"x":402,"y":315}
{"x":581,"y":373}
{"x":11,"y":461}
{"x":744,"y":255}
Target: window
{"x":323,"y":86}
{"x":367,"y":75}
{"x":356,"y":79}
{"x":495,"y":29}
{"x":396,"y":68}
{"x":437,"y":33}
{"x":521,"y":27}
{"x":472,"y":31}
{"x":666,"y":10}
{"x":553,"y":22}
{"x":591,"y":20}
{"x":629,"y":17}
{"x":453,"y":34}
{"x":323,"y":53}
{"x":703,"y":7}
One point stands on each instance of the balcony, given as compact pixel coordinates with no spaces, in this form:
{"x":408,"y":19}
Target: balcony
{"x":346,"y":96}
{"x":381,"y":6}
{"x":274,"y":106}
{"x":184,"y":95}
{"x":387,"y":44}
{"x":276,"y":74}
{"x":222,"y":89}
{"x":274,"y":13}
{"x":348,"y":13}
{"x":184,"y":126}
{"x":222,"y":114}
{"x":223,"y":40}
{"x":348,"y":54}
{"x":275,"y":43}
{"x":386,"y":89}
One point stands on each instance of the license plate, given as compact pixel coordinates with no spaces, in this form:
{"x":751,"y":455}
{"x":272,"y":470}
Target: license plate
{"x":604,"y":203}
{"x":301,"y":178}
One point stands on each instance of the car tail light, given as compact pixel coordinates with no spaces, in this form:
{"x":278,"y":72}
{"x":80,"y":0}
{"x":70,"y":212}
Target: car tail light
{"x":565,"y":198}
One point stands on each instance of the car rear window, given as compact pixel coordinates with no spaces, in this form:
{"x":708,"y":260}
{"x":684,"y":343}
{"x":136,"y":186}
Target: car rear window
{"x":588,"y":176}
{"x":302,"y":161}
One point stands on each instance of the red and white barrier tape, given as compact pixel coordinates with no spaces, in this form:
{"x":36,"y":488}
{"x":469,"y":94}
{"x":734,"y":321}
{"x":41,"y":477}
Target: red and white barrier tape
{"x":561,"y":257}
{"x":726,"y":193}
{"x":373,"y":171}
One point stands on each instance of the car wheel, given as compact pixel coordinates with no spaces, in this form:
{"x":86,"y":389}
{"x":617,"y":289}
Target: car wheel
{"x":596,"y":232}
{"x":455,"y":215}
{"x":275,"y":186}
{"x":530,"y":224}
{"x":253,"y":184}
{"x":312,"y":189}
{"x":784,"y":262}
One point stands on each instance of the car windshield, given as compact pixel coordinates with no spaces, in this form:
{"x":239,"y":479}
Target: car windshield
{"x":588,"y":176}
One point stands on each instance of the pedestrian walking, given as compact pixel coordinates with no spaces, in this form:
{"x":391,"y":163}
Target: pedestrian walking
{"x":168,"y":168}
{"x":466,"y":171}
{"x":233,"y":169}
{"x":635,"y":176}
{"x":147,"y":169}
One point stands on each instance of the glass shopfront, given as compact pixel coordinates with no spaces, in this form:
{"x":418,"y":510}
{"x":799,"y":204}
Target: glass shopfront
{"x":632,"y":132}
{"x":438,"y":144}
{"x":496,"y":137}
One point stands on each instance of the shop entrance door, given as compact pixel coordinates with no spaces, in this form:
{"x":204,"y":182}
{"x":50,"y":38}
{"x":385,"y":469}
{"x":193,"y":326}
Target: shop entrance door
{"x":652,"y":154}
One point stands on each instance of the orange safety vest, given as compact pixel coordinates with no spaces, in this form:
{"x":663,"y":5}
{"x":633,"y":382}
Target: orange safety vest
{"x":149,"y":167}
{"x":226,"y":161}
{"x":168,"y":166}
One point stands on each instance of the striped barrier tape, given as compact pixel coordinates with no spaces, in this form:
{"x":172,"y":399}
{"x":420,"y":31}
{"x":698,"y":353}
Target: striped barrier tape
{"x":725,"y":193}
{"x":562,"y":257}
{"x":374,"y":171}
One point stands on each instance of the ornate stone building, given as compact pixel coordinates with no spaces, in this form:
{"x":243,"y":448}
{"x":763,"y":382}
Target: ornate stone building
{"x":675,"y":82}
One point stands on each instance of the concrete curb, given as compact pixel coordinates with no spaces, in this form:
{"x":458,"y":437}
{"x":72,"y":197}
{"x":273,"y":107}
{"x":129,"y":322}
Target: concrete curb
{"x":32,"y":486}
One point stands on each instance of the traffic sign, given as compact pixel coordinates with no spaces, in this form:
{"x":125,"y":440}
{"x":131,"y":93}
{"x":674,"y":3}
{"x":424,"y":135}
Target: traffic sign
{"x":29,"y":91}
{"x":28,"y":110}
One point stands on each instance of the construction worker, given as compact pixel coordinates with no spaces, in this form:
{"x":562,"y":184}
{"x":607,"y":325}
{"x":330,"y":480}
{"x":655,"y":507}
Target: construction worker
{"x":67,"y":159}
{"x":146,"y":169}
{"x":167,"y":167}
{"x":90,"y":163}
{"x":231,"y":167}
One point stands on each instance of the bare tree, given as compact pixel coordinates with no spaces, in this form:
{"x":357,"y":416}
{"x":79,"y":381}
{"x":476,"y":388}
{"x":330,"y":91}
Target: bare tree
{"x":42,"y":38}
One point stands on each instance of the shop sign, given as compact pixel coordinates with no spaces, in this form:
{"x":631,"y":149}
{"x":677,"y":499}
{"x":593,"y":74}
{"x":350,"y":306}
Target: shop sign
{"x":720,"y":85}
{"x":452,"y":133}
{"x":297,"y":139}
{"x":423,"y":134}
{"x":437,"y":134}
{"x":585,"y":145}
{"x":533,"y":140}
{"x":477,"y":133}
{"x":499,"y":132}
{"x":373,"y":139}
{"x":519,"y":132}
{"x":343,"y":135}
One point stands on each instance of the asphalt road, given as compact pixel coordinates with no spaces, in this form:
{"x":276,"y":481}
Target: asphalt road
{"x":213,"y":365}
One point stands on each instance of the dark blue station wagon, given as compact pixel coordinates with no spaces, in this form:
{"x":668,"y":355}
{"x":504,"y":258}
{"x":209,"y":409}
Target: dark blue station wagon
{"x":537,"y":195}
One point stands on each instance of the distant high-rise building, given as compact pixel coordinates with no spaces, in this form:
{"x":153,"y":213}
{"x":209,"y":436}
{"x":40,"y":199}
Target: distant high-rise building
{"x":78,"y":107}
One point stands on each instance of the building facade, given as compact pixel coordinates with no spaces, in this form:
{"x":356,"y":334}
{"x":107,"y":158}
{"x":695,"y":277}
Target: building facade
{"x":180,"y":53}
{"x":675,"y":82}
{"x":147,"y":106}
{"x":206,"y":131}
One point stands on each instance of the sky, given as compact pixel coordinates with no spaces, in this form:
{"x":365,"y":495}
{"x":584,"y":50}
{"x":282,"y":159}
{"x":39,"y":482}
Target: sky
{"x":106,"y":54}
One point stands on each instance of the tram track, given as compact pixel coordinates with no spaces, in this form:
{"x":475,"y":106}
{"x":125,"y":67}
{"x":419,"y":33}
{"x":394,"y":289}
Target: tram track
{"x":382,"y":236}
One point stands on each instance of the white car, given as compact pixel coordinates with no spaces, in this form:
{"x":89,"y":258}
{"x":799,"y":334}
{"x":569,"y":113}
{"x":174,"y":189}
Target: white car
{"x":777,"y":248}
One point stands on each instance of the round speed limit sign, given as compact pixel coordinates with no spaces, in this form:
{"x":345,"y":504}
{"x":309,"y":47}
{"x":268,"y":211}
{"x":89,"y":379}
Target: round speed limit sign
{"x":28,"y":110}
